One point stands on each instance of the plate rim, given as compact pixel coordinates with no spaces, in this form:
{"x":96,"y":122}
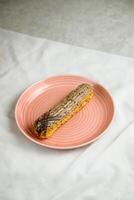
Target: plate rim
{"x":60,"y":147}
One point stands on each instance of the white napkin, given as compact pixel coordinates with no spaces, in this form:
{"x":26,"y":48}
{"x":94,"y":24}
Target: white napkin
{"x":102,"y":170}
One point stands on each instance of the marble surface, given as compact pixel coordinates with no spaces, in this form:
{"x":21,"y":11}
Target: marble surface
{"x":105,"y":25}
{"x":102,"y":170}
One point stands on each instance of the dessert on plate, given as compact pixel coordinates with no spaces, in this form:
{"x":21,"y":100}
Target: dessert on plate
{"x":49,"y":122}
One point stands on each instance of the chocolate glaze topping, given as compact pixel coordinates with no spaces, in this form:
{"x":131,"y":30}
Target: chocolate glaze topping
{"x":41,"y":124}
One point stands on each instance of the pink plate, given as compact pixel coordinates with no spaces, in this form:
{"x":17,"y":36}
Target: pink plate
{"x":85,"y":127}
